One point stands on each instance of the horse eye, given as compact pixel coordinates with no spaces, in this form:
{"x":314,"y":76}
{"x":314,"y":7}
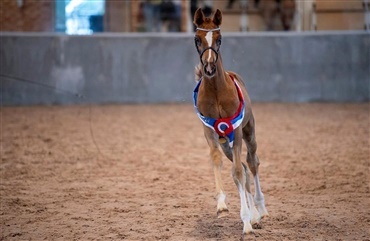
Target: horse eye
{"x":218,"y":41}
{"x":197,"y":41}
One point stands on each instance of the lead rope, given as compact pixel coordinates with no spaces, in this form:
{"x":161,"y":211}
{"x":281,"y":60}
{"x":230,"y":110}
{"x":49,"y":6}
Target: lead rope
{"x":76,"y":95}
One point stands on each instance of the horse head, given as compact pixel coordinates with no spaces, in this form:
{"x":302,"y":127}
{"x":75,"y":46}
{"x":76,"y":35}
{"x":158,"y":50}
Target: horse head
{"x":208,"y":40}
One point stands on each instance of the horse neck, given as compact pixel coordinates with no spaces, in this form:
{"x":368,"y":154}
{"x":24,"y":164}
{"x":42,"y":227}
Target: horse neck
{"x":218,"y":96}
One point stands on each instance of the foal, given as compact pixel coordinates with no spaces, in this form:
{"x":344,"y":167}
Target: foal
{"x":222,"y":103}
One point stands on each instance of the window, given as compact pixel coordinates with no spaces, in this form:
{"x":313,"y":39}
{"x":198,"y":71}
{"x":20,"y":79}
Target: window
{"x":84,"y":16}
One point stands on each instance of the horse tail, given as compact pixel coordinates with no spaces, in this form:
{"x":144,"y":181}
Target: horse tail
{"x":198,"y":72}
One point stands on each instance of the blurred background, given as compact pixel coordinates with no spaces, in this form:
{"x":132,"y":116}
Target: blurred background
{"x":91,"y":16}
{"x":142,"y":51}
{"x":108,"y":163}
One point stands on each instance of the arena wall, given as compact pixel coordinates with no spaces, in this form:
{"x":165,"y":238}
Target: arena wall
{"x":45,"y":69}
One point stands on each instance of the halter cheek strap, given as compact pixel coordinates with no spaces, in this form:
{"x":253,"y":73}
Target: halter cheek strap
{"x":204,"y":50}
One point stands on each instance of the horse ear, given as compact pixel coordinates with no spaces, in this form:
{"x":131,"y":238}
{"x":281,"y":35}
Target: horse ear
{"x":217,"y":18}
{"x":198,"y":17}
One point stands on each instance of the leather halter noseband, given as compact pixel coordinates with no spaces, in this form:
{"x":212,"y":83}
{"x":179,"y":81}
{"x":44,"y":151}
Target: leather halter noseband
{"x":211,"y":48}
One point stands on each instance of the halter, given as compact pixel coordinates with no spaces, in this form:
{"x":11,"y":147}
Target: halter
{"x":224,"y":127}
{"x":209,"y":30}
{"x":211,"y":48}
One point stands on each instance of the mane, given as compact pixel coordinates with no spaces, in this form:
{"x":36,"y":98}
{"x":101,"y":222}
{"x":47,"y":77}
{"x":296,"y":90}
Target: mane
{"x":198,"y":72}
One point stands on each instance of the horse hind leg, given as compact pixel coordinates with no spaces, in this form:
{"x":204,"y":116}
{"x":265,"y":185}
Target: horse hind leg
{"x":258,"y":195}
{"x":253,"y":164}
{"x":255,"y":215}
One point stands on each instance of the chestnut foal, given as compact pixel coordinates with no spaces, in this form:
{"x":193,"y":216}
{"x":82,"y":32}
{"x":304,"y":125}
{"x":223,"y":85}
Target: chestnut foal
{"x":223,"y":105}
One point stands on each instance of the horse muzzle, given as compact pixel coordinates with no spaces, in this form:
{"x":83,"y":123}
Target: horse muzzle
{"x":209,"y":69}
{"x":209,"y":62}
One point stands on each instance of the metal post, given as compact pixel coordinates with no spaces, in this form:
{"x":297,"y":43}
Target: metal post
{"x":244,"y":17}
{"x":298,"y":16}
{"x":367,"y":15}
{"x":313,"y":17}
{"x":128,"y":16}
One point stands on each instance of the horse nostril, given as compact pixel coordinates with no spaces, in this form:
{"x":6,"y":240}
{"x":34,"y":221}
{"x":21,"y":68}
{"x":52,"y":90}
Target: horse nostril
{"x":209,"y":69}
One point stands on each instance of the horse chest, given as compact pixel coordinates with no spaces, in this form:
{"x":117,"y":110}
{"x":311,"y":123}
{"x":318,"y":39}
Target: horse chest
{"x":217,"y":108}
{"x":217,"y":99}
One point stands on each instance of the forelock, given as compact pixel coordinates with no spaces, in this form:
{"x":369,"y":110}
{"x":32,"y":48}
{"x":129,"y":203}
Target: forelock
{"x":208,"y":24}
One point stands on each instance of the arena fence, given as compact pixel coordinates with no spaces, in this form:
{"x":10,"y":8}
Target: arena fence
{"x":40,"y":68}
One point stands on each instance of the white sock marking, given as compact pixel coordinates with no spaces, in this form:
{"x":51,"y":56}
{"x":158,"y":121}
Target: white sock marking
{"x":258,"y":193}
{"x":259,"y":198}
{"x":244,"y":210}
{"x":221,"y":201}
{"x":255,"y":216}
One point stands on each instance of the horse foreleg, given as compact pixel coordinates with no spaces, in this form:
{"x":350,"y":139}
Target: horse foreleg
{"x":216,"y":158}
{"x":255,"y":216}
{"x":240,"y":176}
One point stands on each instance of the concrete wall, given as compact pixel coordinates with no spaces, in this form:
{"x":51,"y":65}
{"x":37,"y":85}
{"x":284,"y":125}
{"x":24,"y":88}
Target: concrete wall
{"x":149,"y":68}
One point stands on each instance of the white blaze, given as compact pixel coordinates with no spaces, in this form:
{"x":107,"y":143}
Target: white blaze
{"x":209,"y":38}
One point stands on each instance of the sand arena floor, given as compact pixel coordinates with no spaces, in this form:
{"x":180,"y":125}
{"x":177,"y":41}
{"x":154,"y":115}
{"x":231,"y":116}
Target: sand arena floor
{"x":149,"y":175}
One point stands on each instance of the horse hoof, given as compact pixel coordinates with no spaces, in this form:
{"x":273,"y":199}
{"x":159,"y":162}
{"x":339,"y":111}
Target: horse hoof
{"x":246,"y":236}
{"x":264,"y":214}
{"x":247,"y":229}
{"x":222,"y":213}
{"x":263,"y":211}
{"x":257,"y":225}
